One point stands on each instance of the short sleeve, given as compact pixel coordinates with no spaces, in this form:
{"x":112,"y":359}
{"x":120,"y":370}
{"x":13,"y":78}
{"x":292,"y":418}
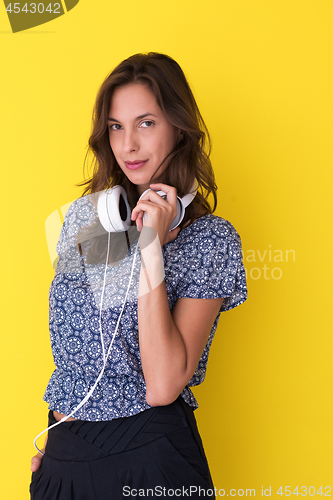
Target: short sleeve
{"x":79,"y":216}
{"x":212,"y":264}
{"x":63,"y":240}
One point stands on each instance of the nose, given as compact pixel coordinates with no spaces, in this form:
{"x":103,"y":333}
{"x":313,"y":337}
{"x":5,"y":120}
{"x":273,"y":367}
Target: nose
{"x":131,"y":141}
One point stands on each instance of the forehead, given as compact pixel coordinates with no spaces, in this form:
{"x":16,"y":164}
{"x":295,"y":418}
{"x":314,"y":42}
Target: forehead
{"x":133,"y":99}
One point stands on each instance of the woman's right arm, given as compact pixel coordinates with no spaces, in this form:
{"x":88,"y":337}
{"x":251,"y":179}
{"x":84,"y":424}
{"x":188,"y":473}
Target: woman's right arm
{"x":37,"y":459}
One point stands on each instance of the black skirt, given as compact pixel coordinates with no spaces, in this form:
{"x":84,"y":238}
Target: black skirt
{"x":157,"y":453}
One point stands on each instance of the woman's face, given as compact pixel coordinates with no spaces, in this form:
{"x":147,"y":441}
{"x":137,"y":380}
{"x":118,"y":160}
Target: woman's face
{"x":140,"y":135}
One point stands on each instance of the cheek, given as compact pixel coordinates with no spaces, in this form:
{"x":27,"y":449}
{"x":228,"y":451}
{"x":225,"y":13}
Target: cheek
{"x":171,"y":138}
{"x":166,"y":143}
{"x":113,"y":145}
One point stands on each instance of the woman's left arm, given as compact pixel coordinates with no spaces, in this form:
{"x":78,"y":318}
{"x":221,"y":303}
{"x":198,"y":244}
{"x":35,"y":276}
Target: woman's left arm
{"x":171,"y":344}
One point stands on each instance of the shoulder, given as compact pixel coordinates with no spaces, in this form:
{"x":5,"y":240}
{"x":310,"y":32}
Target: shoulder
{"x":80,"y":213}
{"x":210,"y":228}
{"x":81,"y":208}
{"x":210,"y":238}
{"x":206,"y":261}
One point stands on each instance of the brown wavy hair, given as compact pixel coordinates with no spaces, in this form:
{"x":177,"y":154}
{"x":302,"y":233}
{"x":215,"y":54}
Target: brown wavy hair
{"x":190,"y":158}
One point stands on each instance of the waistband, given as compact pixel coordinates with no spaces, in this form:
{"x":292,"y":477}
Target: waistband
{"x":81,"y":440}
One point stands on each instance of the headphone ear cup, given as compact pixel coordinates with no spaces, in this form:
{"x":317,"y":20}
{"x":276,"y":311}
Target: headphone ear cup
{"x":180,"y":214}
{"x":113,"y":210}
{"x":182,"y":203}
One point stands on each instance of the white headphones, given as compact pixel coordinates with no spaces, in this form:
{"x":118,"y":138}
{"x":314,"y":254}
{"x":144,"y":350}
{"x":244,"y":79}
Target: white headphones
{"x":114,"y":211}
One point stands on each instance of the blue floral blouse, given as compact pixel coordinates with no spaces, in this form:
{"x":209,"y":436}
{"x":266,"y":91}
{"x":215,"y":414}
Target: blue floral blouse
{"x":205,"y":261}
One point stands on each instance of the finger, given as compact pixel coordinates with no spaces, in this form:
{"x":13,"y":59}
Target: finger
{"x":35,"y":462}
{"x":136,"y":213}
{"x":154,"y":197}
{"x":145,"y":206}
{"x":162,"y":187}
{"x":170,"y":191}
{"x":139,"y":220}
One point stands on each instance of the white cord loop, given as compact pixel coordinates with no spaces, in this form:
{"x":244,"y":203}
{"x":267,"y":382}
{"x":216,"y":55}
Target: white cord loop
{"x":105,"y":358}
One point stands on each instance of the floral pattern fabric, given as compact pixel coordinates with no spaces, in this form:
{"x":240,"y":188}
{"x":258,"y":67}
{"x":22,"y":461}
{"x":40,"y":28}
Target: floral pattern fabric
{"x":204,"y":261}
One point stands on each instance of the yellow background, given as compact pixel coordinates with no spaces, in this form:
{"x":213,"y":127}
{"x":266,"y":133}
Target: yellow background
{"x":262,"y":75}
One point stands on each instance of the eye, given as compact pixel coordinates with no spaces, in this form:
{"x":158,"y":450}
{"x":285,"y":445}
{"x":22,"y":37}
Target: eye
{"x":147,"y":124}
{"x":115,"y":126}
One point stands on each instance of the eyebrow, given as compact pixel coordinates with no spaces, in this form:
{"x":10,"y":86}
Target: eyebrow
{"x":137,"y":118}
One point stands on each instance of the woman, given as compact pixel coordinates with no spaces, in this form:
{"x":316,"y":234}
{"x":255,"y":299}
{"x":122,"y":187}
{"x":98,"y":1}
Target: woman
{"x":137,"y":434}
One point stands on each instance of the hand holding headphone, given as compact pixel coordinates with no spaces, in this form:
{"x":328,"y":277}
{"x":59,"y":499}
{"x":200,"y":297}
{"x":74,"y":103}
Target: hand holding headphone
{"x":114,"y":211}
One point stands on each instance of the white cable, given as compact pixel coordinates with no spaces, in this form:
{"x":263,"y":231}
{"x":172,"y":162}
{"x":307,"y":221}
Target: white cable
{"x":85,"y":399}
{"x":102,"y":296}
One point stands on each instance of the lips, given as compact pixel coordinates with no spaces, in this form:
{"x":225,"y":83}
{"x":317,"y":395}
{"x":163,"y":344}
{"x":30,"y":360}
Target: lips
{"x":133,"y":165}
